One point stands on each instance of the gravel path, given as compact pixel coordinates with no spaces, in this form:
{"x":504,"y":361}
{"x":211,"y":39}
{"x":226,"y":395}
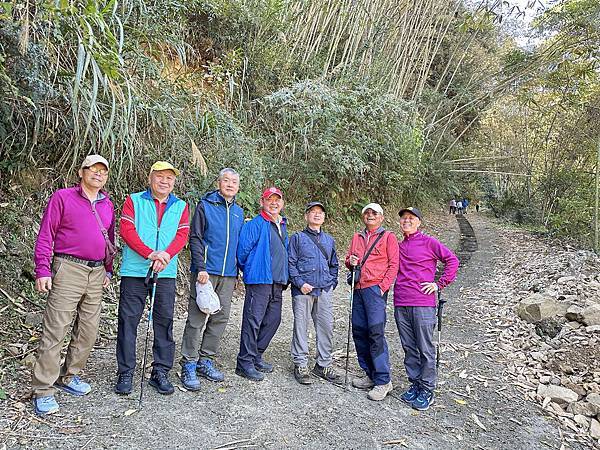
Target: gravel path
{"x":476,"y":407}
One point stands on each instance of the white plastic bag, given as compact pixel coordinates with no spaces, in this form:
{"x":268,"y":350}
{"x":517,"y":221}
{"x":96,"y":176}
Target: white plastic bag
{"x":207,"y":299}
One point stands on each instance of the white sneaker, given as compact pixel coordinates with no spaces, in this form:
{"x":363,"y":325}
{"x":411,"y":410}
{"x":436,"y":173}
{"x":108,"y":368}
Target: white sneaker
{"x":380,"y":391}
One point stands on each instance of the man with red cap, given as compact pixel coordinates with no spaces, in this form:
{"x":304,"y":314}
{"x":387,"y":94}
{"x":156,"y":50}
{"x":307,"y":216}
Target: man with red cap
{"x":263,"y":258}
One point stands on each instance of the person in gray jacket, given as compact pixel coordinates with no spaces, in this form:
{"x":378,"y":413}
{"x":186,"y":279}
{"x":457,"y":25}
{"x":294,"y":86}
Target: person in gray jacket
{"x":214,"y":234}
{"x":313,"y":267}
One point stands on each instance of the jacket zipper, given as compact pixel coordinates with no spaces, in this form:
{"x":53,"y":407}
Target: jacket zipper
{"x":226,"y":241}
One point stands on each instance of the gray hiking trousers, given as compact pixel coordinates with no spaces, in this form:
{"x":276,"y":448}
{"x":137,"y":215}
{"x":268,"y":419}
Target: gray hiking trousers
{"x":321,"y":310}
{"x":416,"y":325}
{"x":196,"y":343}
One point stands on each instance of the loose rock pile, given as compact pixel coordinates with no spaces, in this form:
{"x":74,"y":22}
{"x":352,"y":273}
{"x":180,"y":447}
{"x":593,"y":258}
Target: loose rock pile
{"x":544,"y":310}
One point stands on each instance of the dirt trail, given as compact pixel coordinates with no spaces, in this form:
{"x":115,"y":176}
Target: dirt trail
{"x":475,"y":407}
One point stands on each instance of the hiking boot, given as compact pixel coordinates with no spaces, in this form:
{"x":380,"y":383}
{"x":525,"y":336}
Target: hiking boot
{"x":327,"y":373}
{"x":302,"y":375}
{"x":76,"y":387}
{"x":188,"y":376}
{"x":263,"y":366}
{"x":411,"y":394}
{"x":251,"y":374}
{"x":363,"y":383}
{"x":45,"y":405}
{"x":160,"y":381}
{"x":424,"y":400}
{"x":206,"y":368}
{"x":124,"y":384}
{"x":380,"y":391}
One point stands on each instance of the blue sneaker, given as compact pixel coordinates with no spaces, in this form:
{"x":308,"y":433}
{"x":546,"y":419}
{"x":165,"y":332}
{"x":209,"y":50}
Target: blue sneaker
{"x":206,"y":368}
{"x":45,"y":405}
{"x":411,"y":394}
{"x":263,"y":366}
{"x":188,"y":376}
{"x":76,"y":387}
{"x":424,"y":400}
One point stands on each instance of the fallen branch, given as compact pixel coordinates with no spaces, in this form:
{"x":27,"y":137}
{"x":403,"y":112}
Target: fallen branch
{"x":229,"y":444}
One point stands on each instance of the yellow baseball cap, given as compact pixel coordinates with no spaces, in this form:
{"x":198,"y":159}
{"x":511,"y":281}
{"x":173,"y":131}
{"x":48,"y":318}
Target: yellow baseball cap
{"x":164,"y":165}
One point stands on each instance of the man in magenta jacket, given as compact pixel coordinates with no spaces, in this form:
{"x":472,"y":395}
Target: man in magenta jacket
{"x":415,"y":304}
{"x":72,"y":264}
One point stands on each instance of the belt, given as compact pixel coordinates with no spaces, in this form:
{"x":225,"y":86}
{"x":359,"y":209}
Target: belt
{"x":85,"y":262}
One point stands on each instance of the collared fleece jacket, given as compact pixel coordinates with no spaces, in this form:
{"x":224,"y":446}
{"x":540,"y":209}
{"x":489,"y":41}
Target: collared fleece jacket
{"x":381,"y":267}
{"x":69,"y":226}
{"x":419,"y":255}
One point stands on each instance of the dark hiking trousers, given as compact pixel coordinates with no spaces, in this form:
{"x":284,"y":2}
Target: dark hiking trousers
{"x":260,"y":320}
{"x":134,"y":296}
{"x":416,"y":325}
{"x":368,"y":331}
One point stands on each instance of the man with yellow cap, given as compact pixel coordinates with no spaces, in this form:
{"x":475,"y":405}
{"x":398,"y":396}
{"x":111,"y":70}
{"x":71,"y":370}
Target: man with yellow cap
{"x":154,"y":228}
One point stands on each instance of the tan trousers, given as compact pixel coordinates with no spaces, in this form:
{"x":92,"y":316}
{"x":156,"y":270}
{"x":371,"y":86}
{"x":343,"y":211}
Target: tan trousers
{"x":76,"y":291}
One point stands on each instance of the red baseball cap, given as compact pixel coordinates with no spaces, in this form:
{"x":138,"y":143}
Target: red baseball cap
{"x":271,"y":191}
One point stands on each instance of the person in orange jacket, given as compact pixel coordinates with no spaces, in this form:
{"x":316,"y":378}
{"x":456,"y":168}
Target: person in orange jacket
{"x":373,"y":255}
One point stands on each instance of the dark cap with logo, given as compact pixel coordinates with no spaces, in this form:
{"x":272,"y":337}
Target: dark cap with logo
{"x":414,"y":211}
{"x":313,"y":204}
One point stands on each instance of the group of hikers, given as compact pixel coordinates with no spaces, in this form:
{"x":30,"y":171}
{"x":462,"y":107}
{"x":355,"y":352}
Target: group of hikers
{"x":74,"y":255}
{"x":461,"y":206}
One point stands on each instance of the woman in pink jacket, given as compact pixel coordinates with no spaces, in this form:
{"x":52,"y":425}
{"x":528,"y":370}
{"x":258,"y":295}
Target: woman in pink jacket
{"x":415,"y":304}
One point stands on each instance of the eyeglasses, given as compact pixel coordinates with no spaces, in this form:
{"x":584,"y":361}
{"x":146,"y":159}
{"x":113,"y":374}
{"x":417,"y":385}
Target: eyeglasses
{"x":97,"y":171}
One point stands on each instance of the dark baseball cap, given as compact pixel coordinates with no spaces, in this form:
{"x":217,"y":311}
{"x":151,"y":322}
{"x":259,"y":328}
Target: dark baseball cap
{"x":414,"y":211}
{"x":313,"y":204}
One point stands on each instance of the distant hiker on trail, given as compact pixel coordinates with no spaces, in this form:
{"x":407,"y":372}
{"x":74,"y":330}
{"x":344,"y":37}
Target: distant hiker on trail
{"x":376,"y":275}
{"x":415,"y":304}
{"x":263,"y":258}
{"x":73,"y":261}
{"x":459,"y":207}
{"x":477,"y":205}
{"x":313,"y":271}
{"x":154,"y":227}
{"x":214,"y":234}
{"x":452,"y":205}
{"x":465,"y":205}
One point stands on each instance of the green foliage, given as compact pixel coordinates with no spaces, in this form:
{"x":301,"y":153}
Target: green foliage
{"x":340,"y":144}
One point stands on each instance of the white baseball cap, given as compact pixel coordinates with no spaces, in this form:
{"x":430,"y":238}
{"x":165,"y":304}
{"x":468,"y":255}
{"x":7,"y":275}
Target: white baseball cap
{"x":90,"y":160}
{"x":375,"y":207}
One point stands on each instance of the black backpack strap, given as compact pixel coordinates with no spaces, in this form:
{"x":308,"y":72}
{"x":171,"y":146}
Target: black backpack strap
{"x":319,"y":245}
{"x":372,"y":247}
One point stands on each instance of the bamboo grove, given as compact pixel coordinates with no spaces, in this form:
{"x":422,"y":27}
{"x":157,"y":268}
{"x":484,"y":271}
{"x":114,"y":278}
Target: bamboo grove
{"x":403,"y":100}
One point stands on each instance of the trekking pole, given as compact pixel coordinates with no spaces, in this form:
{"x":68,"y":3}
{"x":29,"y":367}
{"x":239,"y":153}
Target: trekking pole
{"x":154,"y":282}
{"x":349,"y":327}
{"x":440,"y":307}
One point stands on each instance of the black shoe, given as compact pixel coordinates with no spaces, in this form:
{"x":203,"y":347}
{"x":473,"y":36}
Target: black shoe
{"x":302,"y":375}
{"x":327,"y":373}
{"x":251,"y":374}
{"x":124,"y":384}
{"x":160,"y":381}
{"x":263,"y":366}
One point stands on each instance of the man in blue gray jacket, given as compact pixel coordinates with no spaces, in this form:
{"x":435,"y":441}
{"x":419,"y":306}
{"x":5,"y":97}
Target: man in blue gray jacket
{"x":214,"y":234}
{"x":263,"y":257}
{"x":313,"y":273}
